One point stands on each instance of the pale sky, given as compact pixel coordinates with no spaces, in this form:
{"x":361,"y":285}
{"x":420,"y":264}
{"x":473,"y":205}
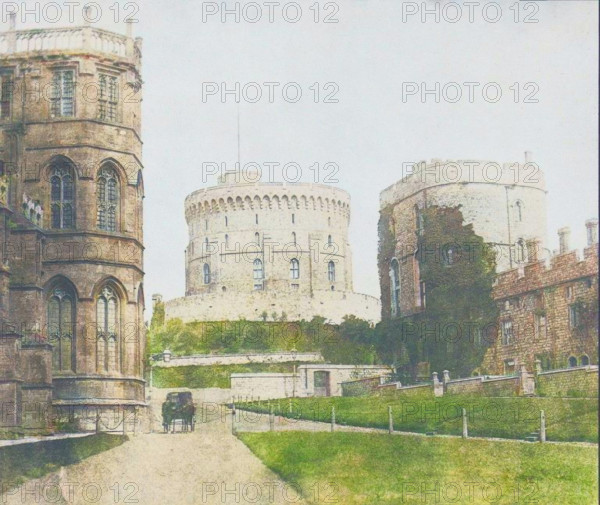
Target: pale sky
{"x":370,"y":132}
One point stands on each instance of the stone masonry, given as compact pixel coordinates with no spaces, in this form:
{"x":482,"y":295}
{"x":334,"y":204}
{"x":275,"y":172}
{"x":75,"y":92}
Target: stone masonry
{"x":505,"y":203}
{"x":71,"y":193}
{"x":260,"y":248}
{"x":548,"y":312}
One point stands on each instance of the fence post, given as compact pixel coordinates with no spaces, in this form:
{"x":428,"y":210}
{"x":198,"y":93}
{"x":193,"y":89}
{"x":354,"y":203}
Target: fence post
{"x":332,"y":418}
{"x":271,"y":419}
{"x":390,"y":420}
{"x":542,"y":426}
{"x":465,"y":432}
{"x":97,"y":420}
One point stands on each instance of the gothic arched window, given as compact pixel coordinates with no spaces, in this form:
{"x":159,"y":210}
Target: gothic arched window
{"x":572,"y":362}
{"x":395,"y":286}
{"x":108,"y":199}
{"x":329,"y":240}
{"x":294,"y":237}
{"x":294,"y":269}
{"x":62,"y":195}
{"x":107,"y":307}
{"x":61,"y":328}
{"x":257,"y":238}
{"x":206,"y":273}
{"x":331,"y":271}
{"x":584,"y":360}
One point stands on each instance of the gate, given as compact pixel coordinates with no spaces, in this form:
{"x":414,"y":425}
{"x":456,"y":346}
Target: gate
{"x":322,"y":380}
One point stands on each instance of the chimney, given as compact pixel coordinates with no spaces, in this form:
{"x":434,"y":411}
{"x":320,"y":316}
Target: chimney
{"x":12,"y":21}
{"x":563,"y":240}
{"x":592,"y":231}
{"x":533,"y":249}
{"x":129,"y":28}
{"x":528,"y":156}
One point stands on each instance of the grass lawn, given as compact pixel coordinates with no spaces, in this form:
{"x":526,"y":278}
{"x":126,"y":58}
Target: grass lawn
{"x":373,"y":469}
{"x":30,"y":461}
{"x":574,"y":419}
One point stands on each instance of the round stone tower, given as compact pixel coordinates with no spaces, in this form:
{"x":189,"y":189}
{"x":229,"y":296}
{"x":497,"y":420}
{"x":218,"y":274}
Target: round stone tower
{"x":504,"y":202}
{"x":256,"y":248}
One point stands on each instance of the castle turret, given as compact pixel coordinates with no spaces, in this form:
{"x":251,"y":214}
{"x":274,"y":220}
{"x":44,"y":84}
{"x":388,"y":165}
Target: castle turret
{"x":504,"y":202}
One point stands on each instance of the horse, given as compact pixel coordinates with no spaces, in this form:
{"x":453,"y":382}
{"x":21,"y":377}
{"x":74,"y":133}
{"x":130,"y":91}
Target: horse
{"x":179,"y":406}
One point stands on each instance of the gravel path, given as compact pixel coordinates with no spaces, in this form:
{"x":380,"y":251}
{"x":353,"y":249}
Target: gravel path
{"x":208,"y":466}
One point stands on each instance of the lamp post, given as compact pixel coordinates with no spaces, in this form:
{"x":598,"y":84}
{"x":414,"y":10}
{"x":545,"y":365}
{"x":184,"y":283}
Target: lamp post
{"x":161,"y":356}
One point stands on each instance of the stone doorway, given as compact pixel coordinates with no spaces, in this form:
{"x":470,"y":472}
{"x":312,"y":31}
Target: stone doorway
{"x":322,"y":381}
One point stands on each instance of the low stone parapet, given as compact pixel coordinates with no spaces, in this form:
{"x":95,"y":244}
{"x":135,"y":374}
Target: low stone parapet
{"x":415,"y":390}
{"x":364,"y":386}
{"x":578,"y":382}
{"x":240,"y":359}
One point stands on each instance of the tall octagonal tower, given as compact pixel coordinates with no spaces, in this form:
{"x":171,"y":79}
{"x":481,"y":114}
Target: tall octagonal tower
{"x":72,"y":192}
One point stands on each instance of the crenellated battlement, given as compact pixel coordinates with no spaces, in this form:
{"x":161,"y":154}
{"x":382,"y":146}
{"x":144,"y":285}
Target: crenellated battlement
{"x":546,"y":309}
{"x":263,"y":196}
{"x":546,"y":273}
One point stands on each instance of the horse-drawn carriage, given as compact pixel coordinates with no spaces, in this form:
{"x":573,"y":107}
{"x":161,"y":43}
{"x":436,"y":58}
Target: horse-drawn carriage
{"x":179,"y":406}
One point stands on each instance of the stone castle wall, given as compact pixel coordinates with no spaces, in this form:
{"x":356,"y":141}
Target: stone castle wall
{"x":361,"y":387}
{"x":495,"y":386}
{"x":571,"y":382}
{"x":25,"y":385}
{"x":231,"y":306}
{"x":266,"y":386}
{"x":538,"y":301}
